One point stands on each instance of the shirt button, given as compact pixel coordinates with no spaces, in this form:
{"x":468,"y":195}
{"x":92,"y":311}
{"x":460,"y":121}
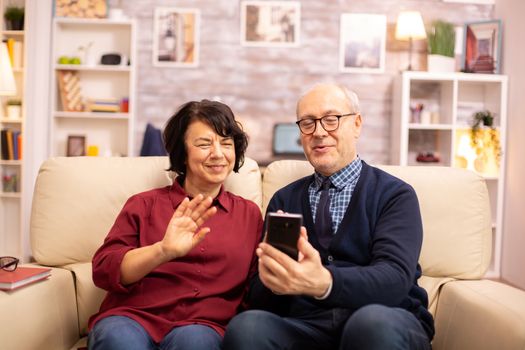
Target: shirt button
{"x":330,"y":258}
{"x":198,"y":271}
{"x":202,"y":249}
{"x":195,"y":290}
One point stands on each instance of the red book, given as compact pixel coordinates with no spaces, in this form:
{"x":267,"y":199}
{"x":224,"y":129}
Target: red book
{"x":10,"y":280}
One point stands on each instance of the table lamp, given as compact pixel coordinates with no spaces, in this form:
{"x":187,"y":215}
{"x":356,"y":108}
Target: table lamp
{"x":410,"y":27}
{"x":7,"y":80}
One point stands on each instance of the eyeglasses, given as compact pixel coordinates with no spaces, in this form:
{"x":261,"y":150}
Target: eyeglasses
{"x":329,"y":122}
{"x":8,"y":263}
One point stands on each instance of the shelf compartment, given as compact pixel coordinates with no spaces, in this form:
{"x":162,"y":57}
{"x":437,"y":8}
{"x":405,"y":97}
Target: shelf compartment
{"x":465,"y":156}
{"x":436,"y":142}
{"x":475,"y":96}
{"x":104,"y":36}
{"x":110,"y":135}
{"x":436,"y":97}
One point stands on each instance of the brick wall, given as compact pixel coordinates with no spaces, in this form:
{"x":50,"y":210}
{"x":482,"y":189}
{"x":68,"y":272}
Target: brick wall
{"x":262,"y":84}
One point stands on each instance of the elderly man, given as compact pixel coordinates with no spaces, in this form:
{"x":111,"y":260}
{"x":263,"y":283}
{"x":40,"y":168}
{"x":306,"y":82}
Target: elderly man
{"x":354,"y":285}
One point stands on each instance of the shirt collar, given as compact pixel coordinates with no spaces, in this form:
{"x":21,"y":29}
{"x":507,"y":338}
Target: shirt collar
{"x":341,"y":178}
{"x":177,"y":195}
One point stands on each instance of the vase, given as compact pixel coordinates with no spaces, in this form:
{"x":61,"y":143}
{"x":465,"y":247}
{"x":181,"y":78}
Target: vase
{"x":14,"y":24}
{"x":13,"y":112}
{"x":439,"y":63}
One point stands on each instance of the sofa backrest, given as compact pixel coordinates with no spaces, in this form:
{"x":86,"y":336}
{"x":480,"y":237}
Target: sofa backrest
{"x":454,"y":206}
{"x":77,"y":199}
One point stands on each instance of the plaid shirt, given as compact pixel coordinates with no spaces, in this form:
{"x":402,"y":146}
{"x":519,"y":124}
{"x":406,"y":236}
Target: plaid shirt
{"x":343,"y":184}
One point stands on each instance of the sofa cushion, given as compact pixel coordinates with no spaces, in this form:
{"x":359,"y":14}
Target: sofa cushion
{"x":77,"y":199}
{"x":89,"y":296}
{"x":454,"y":207}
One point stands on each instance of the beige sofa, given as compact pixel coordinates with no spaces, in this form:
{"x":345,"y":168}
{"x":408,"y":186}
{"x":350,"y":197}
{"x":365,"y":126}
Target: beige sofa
{"x":77,"y":199}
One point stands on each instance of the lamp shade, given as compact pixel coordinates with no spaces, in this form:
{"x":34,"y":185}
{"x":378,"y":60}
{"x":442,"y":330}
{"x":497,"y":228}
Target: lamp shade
{"x":7,"y":80}
{"x":410,"y":26}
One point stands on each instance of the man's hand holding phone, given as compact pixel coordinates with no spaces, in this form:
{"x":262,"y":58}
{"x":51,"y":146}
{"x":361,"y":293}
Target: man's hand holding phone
{"x":291,"y":269}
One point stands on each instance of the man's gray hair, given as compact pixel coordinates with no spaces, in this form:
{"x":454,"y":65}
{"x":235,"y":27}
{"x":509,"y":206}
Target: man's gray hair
{"x":351,"y":96}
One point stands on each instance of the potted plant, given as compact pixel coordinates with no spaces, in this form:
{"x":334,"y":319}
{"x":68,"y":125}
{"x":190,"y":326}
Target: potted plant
{"x":14,"y":18}
{"x":484,"y":137}
{"x":441,"y":40}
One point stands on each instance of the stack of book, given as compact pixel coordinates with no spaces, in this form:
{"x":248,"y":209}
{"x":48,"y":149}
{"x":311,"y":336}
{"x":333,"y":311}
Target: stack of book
{"x":103,"y":105}
{"x":22,"y":276}
{"x":11,"y":144}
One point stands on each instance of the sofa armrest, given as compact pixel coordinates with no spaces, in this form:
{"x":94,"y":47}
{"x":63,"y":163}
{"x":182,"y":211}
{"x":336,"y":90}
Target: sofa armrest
{"x":42,"y":315}
{"x":480,"y":315}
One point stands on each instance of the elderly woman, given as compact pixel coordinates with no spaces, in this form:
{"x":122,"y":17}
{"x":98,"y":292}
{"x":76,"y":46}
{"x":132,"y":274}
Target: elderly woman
{"x":177,"y":260}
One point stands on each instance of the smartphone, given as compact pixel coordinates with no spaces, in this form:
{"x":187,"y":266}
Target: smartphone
{"x":282,"y":232}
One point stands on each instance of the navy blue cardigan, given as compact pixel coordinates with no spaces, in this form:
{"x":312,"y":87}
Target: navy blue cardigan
{"x":373,"y":256}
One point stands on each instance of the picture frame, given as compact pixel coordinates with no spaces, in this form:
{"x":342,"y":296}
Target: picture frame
{"x":482,"y":47}
{"x":76,"y":146}
{"x":270,"y":23}
{"x":88,"y":8}
{"x":286,"y":139}
{"x":362,"y":43}
{"x":176,"y":37}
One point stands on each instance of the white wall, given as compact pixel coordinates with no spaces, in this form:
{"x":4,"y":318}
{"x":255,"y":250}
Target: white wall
{"x":36,"y":132}
{"x":513,"y":57}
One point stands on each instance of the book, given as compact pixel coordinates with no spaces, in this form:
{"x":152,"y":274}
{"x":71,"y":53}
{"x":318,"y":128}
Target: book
{"x":22,"y":276}
{"x":19,"y":139}
{"x":10,"y":150}
{"x":16,"y":140}
{"x":3,"y":144}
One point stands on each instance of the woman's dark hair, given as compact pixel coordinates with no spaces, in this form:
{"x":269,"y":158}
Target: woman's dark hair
{"x":217,"y":115}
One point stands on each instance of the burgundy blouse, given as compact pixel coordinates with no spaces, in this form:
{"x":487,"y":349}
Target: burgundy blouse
{"x":205,"y":287}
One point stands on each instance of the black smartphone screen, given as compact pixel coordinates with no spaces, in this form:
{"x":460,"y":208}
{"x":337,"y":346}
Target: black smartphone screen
{"x":282,"y":232}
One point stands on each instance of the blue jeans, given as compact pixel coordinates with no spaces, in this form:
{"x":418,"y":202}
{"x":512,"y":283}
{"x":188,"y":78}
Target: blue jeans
{"x":372,"y":327}
{"x":119,"y":332}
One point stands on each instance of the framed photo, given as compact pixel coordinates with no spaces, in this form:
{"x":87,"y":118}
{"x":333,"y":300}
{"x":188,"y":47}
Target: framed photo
{"x":482,"y":50}
{"x":286,"y":139}
{"x":76,"y":146}
{"x":80,"y":8}
{"x":176,"y":37}
{"x":362,"y":43}
{"x":270,"y":23}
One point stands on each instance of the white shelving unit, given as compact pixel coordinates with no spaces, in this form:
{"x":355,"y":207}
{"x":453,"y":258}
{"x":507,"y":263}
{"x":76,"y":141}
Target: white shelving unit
{"x":10,"y":202}
{"x":449,"y":100}
{"x":111,"y":132}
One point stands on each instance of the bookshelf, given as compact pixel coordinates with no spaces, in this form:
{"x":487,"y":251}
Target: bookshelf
{"x":442,"y":129}
{"x":111,"y":132}
{"x":12,"y":120}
